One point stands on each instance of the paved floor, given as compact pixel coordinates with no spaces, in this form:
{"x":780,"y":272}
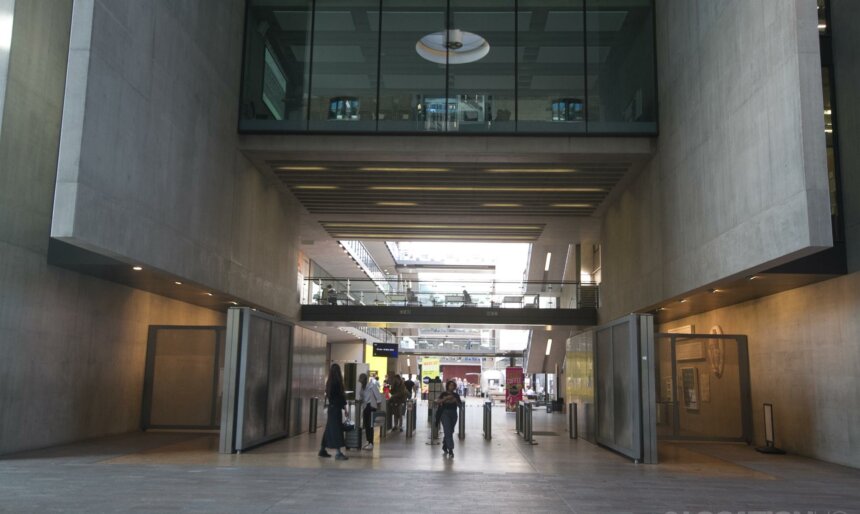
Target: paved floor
{"x":170,"y":472}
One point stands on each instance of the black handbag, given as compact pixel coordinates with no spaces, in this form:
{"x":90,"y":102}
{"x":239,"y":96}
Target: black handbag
{"x":348,"y":425}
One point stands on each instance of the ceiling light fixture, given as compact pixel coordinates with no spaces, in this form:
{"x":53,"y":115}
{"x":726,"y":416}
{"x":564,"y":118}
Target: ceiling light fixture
{"x":432,"y":226}
{"x":715,"y":291}
{"x":501,"y":205}
{"x":178,"y":283}
{"x":471,"y":189}
{"x":208,"y":294}
{"x":548,"y":346}
{"x":548,"y":259}
{"x":395,"y":169}
{"x":137,"y":268}
{"x":396,"y":204}
{"x":435,"y":237}
{"x":753,"y":277}
{"x":452,"y":47}
{"x":313,"y":187}
{"x":571,"y":205}
{"x":530,"y":170}
{"x":234,"y":302}
{"x":684,"y":300}
{"x":301,"y":168}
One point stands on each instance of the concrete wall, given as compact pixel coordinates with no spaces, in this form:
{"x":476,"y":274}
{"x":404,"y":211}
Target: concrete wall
{"x":73,"y":347}
{"x":149,"y":170}
{"x":805,"y":359}
{"x":739,"y":179}
{"x":845,"y":27}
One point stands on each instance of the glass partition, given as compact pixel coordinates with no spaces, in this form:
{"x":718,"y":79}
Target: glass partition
{"x":345,"y":55}
{"x":450,"y":66}
{"x":551,"y":66}
{"x":620,"y":66}
{"x":410,"y":85}
{"x":277,"y":66}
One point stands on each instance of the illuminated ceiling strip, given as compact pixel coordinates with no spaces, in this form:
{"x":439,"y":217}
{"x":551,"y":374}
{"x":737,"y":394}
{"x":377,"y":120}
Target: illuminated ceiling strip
{"x":501,"y":205}
{"x":321,"y":188}
{"x":530,"y":170}
{"x":491,"y":189}
{"x":572,"y":205}
{"x":423,"y":225}
{"x":417,"y":170}
{"x":301,"y":168}
{"x":429,"y":236}
{"x":397,"y":204}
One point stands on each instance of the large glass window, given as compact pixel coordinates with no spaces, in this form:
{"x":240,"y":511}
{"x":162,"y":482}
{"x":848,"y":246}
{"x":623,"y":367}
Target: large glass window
{"x":450,"y":66}
{"x":620,"y":64}
{"x":277,"y":66}
{"x":411,"y":86}
{"x":551,"y":66}
{"x":345,"y":56}
{"x":481,"y":86}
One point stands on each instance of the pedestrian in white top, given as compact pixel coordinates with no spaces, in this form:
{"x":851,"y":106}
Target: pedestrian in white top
{"x":371,"y":397}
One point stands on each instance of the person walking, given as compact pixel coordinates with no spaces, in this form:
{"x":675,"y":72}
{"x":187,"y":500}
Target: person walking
{"x":371,"y":398}
{"x":331,"y":295}
{"x":397,"y":402}
{"x":449,"y":403}
{"x":336,"y":394}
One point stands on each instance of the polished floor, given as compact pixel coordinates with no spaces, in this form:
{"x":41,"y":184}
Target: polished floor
{"x":171,"y":472}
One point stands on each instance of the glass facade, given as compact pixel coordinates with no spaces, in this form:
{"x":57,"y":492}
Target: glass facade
{"x":450,"y":66}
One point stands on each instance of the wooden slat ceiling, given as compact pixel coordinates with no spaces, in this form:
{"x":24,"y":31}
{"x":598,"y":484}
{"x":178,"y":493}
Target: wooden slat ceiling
{"x":404,"y":189}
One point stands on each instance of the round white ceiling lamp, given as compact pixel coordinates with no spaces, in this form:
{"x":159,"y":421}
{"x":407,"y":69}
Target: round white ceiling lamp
{"x":453,"y":47}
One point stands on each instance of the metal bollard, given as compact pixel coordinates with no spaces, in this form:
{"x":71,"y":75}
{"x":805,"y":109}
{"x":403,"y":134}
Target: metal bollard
{"x":462,"y":428}
{"x":312,"y":422}
{"x":572,"y":420}
{"x":488,"y":420}
{"x":520,"y":418}
{"x":527,"y":423}
{"x":410,"y":410}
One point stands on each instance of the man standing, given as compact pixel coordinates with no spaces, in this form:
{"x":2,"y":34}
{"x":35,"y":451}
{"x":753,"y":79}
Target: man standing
{"x":410,"y":387}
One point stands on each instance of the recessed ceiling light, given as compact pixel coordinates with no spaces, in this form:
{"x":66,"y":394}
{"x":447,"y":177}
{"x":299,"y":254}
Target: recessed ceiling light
{"x":178,"y":283}
{"x":453,"y":46}
{"x":501,"y":205}
{"x":234,"y":302}
{"x":822,"y":26}
{"x":661,"y":309}
{"x":301,"y":168}
{"x":714,"y":291}
{"x":395,"y":169}
{"x":828,"y":131}
{"x":136,"y":268}
{"x":572,"y":205}
{"x":754,"y":277}
{"x":530,"y":170}
{"x":478,"y":189}
{"x":396,"y":204}
{"x":208,"y":294}
{"x":684,"y":300}
{"x":315,"y":187}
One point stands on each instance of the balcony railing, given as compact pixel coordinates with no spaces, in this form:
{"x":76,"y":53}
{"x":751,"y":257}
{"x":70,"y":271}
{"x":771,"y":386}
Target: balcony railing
{"x":490,"y":294}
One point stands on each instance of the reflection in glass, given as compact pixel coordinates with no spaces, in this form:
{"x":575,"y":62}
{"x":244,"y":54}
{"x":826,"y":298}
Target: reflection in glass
{"x":408,"y":82}
{"x":345,"y":50}
{"x":276,"y":67}
{"x":551,"y":66}
{"x":481,"y":94}
{"x":620,"y":66}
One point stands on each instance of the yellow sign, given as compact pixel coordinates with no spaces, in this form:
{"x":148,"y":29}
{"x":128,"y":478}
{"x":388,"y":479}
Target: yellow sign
{"x":430,"y":367}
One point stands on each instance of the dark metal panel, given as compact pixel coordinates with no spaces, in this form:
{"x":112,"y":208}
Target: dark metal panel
{"x":473,"y":315}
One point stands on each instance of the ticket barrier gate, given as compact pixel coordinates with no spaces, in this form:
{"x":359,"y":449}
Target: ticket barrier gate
{"x":524,"y":421}
{"x":488,"y":420}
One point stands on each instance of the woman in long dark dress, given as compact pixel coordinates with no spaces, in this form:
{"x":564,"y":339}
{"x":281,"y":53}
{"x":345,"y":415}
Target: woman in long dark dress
{"x":336,"y":394}
{"x":449,"y":403}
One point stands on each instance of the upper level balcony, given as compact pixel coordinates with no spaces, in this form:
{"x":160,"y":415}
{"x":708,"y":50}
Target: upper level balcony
{"x":492,"y":302}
